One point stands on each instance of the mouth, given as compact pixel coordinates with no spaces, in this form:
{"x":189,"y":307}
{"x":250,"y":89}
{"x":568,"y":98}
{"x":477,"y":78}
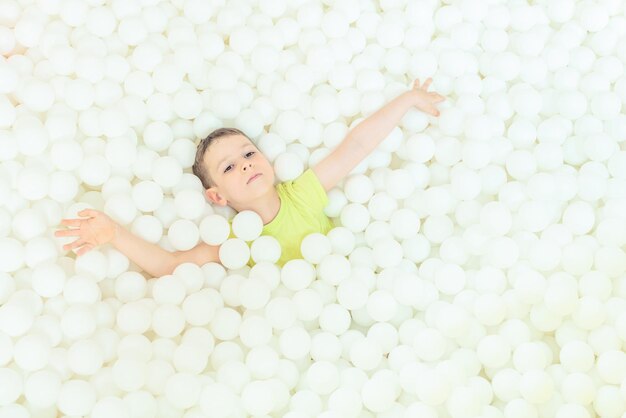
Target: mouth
{"x":256,"y":176}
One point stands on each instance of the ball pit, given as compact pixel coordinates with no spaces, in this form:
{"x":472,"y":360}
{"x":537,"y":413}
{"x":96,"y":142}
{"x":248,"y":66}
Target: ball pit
{"x":477,"y":265}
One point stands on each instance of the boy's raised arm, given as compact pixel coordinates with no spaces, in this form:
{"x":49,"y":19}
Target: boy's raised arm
{"x":150,"y":257}
{"x":200,"y":254}
{"x":157,"y":261}
{"x":366,"y":136}
{"x":99,"y":229}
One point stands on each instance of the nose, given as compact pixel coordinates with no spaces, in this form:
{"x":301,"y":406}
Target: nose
{"x":247,"y":165}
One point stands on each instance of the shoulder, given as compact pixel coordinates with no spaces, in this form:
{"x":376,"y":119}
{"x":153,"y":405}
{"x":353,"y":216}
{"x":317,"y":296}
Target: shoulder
{"x":305,"y":189}
{"x":308,"y":180}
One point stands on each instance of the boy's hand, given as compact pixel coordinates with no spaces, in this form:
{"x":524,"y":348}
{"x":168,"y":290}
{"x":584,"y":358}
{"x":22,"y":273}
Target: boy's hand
{"x":96,"y":230}
{"x":424,"y":99}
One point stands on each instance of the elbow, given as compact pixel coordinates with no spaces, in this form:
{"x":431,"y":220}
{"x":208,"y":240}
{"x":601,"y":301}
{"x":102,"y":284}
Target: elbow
{"x":167,"y":266}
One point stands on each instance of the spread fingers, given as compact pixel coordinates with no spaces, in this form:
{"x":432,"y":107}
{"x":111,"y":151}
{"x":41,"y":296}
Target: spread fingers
{"x":67,"y":233}
{"x":74,"y":244}
{"x":85,"y":248}
{"x":71,"y":222}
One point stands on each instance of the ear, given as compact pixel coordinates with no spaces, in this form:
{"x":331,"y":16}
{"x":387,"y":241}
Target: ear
{"x":215,"y":197}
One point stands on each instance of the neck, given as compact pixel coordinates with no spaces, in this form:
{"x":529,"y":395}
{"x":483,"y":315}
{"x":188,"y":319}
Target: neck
{"x":267,"y":206}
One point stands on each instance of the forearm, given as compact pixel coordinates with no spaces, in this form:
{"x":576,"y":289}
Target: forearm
{"x":150,"y":257}
{"x":375,"y":128}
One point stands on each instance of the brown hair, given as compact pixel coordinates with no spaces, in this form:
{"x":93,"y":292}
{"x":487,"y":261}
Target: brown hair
{"x":199,"y":167}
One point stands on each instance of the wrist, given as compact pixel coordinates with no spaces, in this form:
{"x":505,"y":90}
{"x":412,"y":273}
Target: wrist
{"x":117,"y":230}
{"x":413,"y":97}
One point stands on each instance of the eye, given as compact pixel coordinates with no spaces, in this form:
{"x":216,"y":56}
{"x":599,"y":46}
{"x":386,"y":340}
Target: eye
{"x":248,"y":153}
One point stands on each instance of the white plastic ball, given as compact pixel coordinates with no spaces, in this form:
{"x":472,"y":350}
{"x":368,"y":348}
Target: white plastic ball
{"x":198,"y":308}
{"x":529,"y":356}
{"x":32,"y":352}
{"x":41,"y":388}
{"x":37,"y":96}
{"x":12,"y":381}
{"x":134,"y":318}
{"x":234,"y":253}
{"x":48,"y":280}
{"x":579,"y":388}
{"x":355,"y":217}
{"x":225,"y":324}
{"x":85,"y":357}
{"x":314,"y":247}
{"x":168,"y":321}
{"x":254,"y":293}
{"x":79,"y":94}
{"x":288,"y":166}
{"x":187,"y":104}
{"x":536,"y":386}
{"x":214,"y":229}
{"x":366,"y":354}
{"x":158,"y":136}
{"x":400,"y":184}
{"x":247,"y":225}
{"x":387,"y":253}
{"x":76,"y":397}
{"x":294,"y":343}
{"x":572,"y":410}
{"x":381,"y":305}
{"x":322,"y":377}
{"x":265,"y":248}
{"x":352,"y":294}
{"x":611,"y":366}
{"x":12,"y":255}
{"x":282,"y":312}
{"x":190,"y":204}
{"x":297,"y":274}
{"x":183,"y":234}
{"x":183,"y":390}
{"x":147,"y":195}
{"x":493,"y":351}
{"x":255,"y":331}
{"x":8,"y":41}
{"x":285,"y":95}
{"x":334,"y":269}
{"x":324,"y":108}
{"x":192,"y":357}
{"x":217,"y":400}
{"x":358,"y":188}
{"x":496,"y":218}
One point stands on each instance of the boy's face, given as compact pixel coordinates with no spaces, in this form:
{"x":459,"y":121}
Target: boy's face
{"x":233,"y":161}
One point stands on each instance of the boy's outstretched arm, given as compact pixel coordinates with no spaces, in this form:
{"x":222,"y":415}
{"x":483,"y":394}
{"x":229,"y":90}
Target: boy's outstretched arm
{"x":98,"y":229}
{"x":155,"y":260}
{"x":366,"y":136}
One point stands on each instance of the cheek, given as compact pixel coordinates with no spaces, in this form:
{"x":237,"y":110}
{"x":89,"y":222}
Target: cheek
{"x":264,"y":161}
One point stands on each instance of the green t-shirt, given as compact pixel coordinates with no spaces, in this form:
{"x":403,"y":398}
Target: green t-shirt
{"x":302,"y":203}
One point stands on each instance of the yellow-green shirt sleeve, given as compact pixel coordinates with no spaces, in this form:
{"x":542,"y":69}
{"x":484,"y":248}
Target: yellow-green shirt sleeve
{"x":308,"y":190}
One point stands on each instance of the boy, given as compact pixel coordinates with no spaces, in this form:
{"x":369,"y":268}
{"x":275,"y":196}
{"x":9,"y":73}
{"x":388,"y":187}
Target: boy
{"x":235,"y":173}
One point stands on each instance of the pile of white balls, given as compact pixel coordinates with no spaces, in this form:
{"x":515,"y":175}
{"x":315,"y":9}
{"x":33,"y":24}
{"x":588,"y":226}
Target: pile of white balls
{"x":477,"y":268}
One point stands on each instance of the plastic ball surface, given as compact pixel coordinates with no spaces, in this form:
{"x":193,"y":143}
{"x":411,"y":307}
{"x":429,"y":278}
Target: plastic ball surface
{"x":247,"y":225}
{"x":234,"y":253}
{"x":214,"y":229}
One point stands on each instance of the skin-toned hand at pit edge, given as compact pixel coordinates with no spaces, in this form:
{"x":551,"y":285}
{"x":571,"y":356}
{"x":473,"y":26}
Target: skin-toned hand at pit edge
{"x":99,"y":229}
